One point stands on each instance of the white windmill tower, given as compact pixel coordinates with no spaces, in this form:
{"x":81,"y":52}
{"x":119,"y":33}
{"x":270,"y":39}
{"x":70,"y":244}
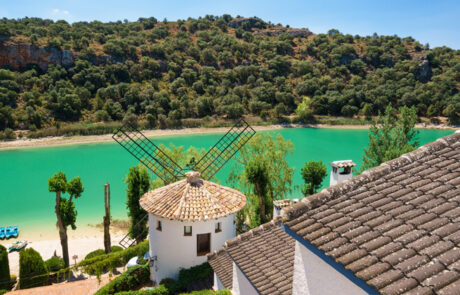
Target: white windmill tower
{"x":192,"y":216}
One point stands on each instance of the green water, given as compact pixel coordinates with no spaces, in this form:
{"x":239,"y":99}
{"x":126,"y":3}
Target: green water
{"x":25,"y":200}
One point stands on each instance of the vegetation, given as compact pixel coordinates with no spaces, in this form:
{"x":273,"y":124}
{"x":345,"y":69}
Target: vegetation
{"x":108,"y":262}
{"x":209,"y":292}
{"x":5,"y":280}
{"x":100,"y":252}
{"x":160,"y":74}
{"x":55,"y":264}
{"x":187,"y":277}
{"x":32,"y":269}
{"x":390,"y":137}
{"x":313,"y":174}
{"x":138,"y":184}
{"x":131,"y":279}
{"x":263,"y":175}
{"x":160,"y":290}
{"x":65,"y":209}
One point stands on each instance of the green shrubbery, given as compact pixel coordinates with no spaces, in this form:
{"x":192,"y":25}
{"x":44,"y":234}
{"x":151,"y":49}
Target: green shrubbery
{"x":5,"y":280}
{"x":99,"y":252}
{"x":209,"y":292}
{"x":55,"y":264}
{"x":187,"y":277}
{"x":106,"y":262}
{"x":133,"y":278}
{"x":32,"y":269}
{"x":160,"y":290}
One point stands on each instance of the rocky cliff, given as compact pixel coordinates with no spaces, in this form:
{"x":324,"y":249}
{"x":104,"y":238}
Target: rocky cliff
{"x":18,"y":56}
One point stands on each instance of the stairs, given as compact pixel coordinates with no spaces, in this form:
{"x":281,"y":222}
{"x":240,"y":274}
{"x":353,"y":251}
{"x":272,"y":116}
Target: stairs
{"x":127,"y":241}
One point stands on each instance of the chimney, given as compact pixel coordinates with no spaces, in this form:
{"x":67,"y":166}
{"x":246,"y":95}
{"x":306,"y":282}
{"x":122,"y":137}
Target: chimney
{"x":280,"y":204}
{"x":193,"y":178}
{"x":341,"y":171}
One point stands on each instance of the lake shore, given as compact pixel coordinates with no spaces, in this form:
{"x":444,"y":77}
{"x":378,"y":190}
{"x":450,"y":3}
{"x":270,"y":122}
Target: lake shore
{"x":90,"y":139}
{"x":81,"y":241}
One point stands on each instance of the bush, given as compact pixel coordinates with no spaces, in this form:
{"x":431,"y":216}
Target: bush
{"x":32,"y":269}
{"x":133,"y":278}
{"x":160,"y":290}
{"x":106,"y":262}
{"x":116,"y":248}
{"x":4,"y":269}
{"x":95,"y":253}
{"x":209,"y":292}
{"x":3,"y":291}
{"x":190,"y":275}
{"x":55,"y":264}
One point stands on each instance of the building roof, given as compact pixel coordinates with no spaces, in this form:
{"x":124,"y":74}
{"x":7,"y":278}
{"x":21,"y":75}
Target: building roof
{"x":192,"y":199}
{"x":266,"y":256}
{"x":344,"y":163}
{"x":282,"y":203}
{"x":396,"y":226}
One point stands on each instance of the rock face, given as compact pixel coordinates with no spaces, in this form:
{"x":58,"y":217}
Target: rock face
{"x":18,"y":56}
{"x":238,"y":22}
{"x":424,"y":72}
{"x":296,"y":33}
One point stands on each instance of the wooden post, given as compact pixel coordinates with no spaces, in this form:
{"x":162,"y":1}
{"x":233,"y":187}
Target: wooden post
{"x":107,"y":243}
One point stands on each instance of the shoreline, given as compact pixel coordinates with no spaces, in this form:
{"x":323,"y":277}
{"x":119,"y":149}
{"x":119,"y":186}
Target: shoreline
{"x":94,"y":139}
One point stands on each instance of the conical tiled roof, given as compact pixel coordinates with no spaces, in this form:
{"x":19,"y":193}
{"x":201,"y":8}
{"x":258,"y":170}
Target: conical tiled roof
{"x":193,"y":199}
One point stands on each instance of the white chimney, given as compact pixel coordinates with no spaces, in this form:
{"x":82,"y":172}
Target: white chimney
{"x":280,"y":204}
{"x":341,"y":171}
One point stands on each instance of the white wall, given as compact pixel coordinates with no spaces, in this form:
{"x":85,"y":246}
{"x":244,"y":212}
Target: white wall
{"x":217,"y":283}
{"x":174,"y":250}
{"x":241,"y":285}
{"x":313,"y":276}
{"x":337,"y":178}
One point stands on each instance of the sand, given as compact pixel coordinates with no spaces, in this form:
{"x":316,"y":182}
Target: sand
{"x":71,"y":140}
{"x":81,"y":242}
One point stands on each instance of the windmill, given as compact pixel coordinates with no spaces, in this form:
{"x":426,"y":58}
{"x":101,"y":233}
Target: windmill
{"x":158,"y":162}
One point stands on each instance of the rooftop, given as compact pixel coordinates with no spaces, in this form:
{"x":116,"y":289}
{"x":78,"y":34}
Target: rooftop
{"x":344,"y":163}
{"x":396,"y":226}
{"x":265,"y":254}
{"x":193,"y":199}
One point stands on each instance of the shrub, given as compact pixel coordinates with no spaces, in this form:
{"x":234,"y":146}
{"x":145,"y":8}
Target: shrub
{"x":160,"y":290}
{"x":116,"y":248}
{"x":106,"y":262}
{"x":190,"y":275}
{"x":55,"y":264}
{"x":3,"y":291}
{"x":32,"y":269}
{"x":133,"y":278}
{"x":209,"y":292}
{"x":4,"y":269}
{"x":95,"y":253}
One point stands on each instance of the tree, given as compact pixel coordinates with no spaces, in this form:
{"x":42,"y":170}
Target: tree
{"x":304,"y":111}
{"x":5,"y":283}
{"x":390,"y":137}
{"x":138,"y":184}
{"x":261,"y":171}
{"x":32,"y":269}
{"x":66,"y":213}
{"x":106,"y":220}
{"x":313,"y":174}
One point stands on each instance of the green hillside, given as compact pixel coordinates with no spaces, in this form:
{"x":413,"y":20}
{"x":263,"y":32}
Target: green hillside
{"x":169,"y":74}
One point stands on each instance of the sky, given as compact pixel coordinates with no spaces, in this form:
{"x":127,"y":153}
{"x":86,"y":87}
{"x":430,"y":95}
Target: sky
{"x":436,"y":22}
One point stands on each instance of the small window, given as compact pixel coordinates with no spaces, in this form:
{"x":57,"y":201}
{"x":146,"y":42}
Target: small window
{"x":203,"y":244}
{"x":187,"y":230}
{"x":218,"y":227}
{"x":159,"y":225}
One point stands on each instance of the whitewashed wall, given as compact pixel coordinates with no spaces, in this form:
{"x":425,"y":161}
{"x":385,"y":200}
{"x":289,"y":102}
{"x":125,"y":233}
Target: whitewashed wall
{"x":241,"y":285}
{"x":313,"y":276}
{"x":173,"y":250}
{"x":217,"y":283}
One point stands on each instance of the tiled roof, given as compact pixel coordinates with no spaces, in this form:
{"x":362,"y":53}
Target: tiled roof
{"x":396,"y":226}
{"x":266,"y":256}
{"x":222,"y":265}
{"x":192,"y":201}
{"x":342,"y":164}
{"x":282,"y":203}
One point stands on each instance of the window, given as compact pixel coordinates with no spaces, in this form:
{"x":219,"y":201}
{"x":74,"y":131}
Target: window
{"x":218,"y":227}
{"x":203,"y":244}
{"x":159,"y":225}
{"x":187,"y":230}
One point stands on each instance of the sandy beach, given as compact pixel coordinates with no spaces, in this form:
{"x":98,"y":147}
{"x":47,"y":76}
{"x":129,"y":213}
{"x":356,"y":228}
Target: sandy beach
{"x":74,"y":140}
{"x":81,"y":241}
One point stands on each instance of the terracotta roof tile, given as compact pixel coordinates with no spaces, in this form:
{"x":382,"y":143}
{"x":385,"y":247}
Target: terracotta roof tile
{"x":193,"y":200}
{"x":266,"y":256}
{"x":396,"y":226}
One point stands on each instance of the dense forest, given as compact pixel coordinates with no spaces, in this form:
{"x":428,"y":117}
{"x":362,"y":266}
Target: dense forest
{"x":161,"y":74}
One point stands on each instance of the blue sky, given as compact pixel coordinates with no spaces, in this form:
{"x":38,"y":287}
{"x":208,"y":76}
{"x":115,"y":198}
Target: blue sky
{"x":436,"y":22}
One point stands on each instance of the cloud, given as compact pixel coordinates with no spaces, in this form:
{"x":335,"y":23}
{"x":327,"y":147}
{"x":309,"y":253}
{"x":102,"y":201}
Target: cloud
{"x":60,"y":12}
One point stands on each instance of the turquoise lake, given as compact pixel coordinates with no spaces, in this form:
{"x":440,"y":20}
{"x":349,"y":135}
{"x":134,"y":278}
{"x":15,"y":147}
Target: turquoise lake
{"x":25,"y":200}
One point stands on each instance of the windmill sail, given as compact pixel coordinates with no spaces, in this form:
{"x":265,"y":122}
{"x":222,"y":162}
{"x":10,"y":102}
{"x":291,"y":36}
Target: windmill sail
{"x":224,"y":149}
{"x":147,"y":153}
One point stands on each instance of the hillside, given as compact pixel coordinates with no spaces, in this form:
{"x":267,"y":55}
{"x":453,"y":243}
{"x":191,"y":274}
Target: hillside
{"x":162,"y":74}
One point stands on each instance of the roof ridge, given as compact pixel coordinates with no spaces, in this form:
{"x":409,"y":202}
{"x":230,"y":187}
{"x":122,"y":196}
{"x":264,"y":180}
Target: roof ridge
{"x":317,"y":199}
{"x":252,"y":232}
